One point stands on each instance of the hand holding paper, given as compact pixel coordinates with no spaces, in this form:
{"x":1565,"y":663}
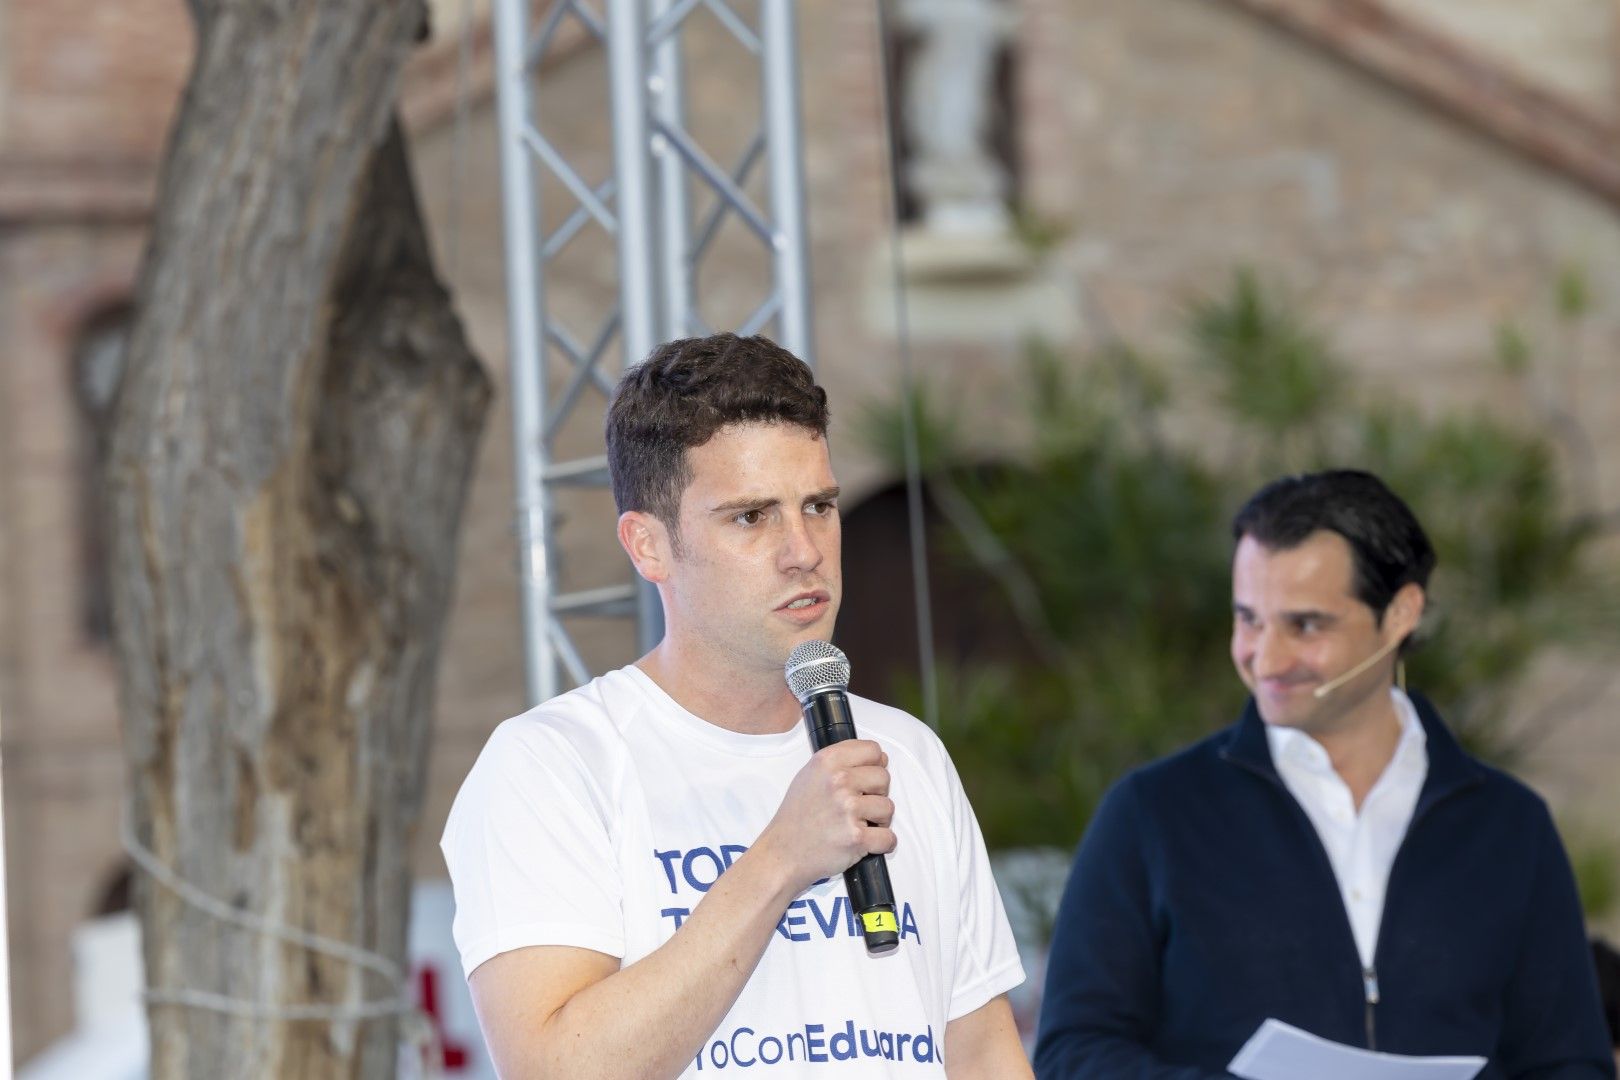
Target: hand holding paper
{"x":1279,"y":1051}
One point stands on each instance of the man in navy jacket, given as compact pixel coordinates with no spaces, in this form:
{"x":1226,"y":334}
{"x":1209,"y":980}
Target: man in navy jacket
{"x":1334,"y":859}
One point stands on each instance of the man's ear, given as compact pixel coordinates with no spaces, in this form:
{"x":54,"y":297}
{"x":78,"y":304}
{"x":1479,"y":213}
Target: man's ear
{"x":646,"y":540}
{"x":1405,"y":610}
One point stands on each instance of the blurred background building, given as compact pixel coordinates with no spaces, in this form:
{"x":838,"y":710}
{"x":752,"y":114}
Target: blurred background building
{"x":1421,"y":174}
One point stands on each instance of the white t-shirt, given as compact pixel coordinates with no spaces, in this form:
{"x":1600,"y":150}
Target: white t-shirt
{"x":600,"y":818}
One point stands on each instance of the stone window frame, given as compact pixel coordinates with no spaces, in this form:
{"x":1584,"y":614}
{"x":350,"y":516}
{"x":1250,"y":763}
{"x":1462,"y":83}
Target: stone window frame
{"x":95,"y":373}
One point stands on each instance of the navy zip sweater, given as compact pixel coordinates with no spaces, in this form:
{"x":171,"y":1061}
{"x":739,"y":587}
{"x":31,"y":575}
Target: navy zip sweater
{"x":1202,"y":902}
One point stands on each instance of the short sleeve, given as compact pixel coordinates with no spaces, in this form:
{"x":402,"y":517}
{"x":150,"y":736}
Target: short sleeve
{"x":529,"y":848}
{"x":987,"y":962}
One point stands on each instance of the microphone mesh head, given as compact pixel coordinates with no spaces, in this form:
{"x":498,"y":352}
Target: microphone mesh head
{"x":814,"y":666}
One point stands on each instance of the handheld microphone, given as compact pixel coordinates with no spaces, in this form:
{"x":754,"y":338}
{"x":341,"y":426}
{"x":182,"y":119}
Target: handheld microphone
{"x":1333,"y":684}
{"x":818,"y":674}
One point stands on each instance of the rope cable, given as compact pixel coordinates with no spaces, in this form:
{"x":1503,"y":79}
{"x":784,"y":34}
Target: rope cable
{"x":419,"y":1030}
{"x":908,"y":387}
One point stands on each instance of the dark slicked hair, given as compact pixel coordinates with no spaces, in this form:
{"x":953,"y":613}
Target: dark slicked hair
{"x":1388,"y":547}
{"x":682,"y":395}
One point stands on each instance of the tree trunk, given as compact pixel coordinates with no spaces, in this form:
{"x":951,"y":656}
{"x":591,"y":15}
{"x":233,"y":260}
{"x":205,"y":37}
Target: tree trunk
{"x":292,"y":446}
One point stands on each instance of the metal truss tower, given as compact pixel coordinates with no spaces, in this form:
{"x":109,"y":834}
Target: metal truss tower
{"x":646,"y":206}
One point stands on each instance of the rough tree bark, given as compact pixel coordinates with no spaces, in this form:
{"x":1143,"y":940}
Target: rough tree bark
{"x":293,"y":442}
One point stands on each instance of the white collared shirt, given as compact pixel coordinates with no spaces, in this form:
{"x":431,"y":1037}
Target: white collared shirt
{"x":1361,"y":846}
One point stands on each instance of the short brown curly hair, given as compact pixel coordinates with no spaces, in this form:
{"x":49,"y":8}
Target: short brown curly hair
{"x":682,"y":395}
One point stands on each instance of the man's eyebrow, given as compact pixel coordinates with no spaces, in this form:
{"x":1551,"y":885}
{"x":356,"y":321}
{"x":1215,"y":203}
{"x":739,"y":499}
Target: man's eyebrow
{"x":1302,"y":613}
{"x":746,"y":502}
{"x":765,"y":502}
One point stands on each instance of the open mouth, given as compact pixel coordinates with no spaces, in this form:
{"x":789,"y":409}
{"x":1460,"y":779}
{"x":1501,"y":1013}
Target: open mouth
{"x":805,"y":603}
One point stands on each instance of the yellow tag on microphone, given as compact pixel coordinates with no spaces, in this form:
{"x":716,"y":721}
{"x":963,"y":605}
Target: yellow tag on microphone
{"x":878,"y":921}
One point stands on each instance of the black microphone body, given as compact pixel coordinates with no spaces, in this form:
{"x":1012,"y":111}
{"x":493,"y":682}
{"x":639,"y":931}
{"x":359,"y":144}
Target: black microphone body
{"x":826,"y":714}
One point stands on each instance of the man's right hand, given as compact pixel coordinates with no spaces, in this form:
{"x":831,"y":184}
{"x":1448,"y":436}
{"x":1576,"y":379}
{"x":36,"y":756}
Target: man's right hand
{"x":836,"y":810}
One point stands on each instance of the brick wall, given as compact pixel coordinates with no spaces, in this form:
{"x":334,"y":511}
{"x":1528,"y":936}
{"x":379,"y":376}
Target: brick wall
{"x":1571,"y":45}
{"x":63,"y":766}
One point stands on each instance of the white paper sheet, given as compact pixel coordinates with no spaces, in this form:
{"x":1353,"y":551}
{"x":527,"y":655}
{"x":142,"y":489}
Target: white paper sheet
{"x":1279,"y":1051}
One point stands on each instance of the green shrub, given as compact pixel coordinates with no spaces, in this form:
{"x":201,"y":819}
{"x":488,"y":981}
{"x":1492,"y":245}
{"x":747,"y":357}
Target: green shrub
{"x":1110,"y":545}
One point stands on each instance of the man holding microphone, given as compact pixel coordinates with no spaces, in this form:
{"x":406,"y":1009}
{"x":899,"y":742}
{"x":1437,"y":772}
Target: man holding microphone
{"x":647,"y":870}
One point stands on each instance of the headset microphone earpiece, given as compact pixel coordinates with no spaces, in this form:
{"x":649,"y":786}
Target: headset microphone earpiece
{"x":1333,"y":684}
